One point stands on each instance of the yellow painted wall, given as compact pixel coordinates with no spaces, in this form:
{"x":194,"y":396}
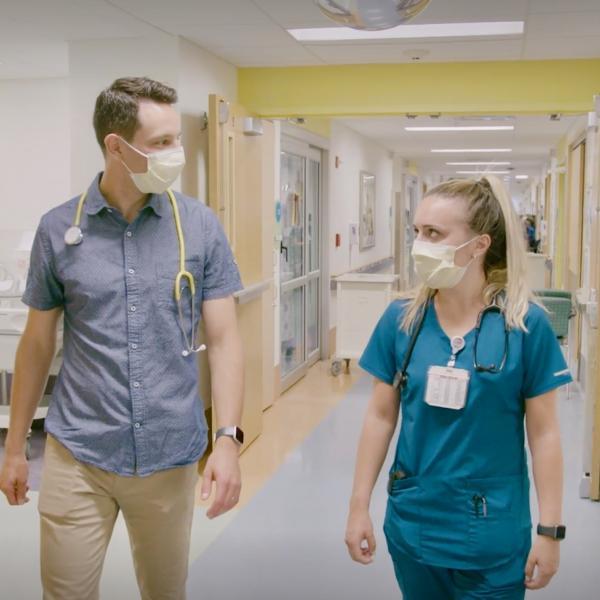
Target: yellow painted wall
{"x":524,"y":87}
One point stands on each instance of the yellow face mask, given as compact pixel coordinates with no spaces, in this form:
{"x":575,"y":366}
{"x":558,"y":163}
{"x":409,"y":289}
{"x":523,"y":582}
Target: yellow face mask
{"x":435,"y":266}
{"x":164,"y":167}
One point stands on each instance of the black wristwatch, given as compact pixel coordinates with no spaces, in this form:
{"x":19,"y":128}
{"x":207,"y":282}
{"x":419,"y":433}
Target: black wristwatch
{"x":557,"y":532}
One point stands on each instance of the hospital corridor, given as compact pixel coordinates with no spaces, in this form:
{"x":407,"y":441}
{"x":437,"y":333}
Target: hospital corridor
{"x":299,"y":299}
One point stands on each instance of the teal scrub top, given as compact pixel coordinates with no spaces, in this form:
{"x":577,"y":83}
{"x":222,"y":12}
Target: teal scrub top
{"x":464,"y":502}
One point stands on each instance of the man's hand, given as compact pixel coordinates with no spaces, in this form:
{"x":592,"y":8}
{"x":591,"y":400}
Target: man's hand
{"x":13,"y":479}
{"x":223,"y":468}
{"x":543,"y":560}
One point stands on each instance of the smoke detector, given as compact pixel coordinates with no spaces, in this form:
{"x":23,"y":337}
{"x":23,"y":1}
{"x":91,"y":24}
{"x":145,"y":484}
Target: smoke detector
{"x":416,"y":54}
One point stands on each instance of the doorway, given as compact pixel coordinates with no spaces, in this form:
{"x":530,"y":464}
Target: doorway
{"x":300,"y":259}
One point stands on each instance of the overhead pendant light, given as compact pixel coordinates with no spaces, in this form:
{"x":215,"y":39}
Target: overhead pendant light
{"x":371,"y":15}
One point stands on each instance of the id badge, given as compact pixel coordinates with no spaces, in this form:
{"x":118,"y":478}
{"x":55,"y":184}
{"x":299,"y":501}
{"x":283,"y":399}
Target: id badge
{"x":447,"y":387}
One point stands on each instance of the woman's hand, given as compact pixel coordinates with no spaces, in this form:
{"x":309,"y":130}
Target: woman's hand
{"x":359,"y":536}
{"x":542,"y":563}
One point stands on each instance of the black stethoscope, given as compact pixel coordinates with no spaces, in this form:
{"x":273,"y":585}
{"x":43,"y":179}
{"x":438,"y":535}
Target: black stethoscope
{"x":491,"y":308}
{"x":401,"y":377}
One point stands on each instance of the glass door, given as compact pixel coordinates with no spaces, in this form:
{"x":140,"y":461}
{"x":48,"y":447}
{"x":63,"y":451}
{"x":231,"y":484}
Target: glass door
{"x":300,"y":257}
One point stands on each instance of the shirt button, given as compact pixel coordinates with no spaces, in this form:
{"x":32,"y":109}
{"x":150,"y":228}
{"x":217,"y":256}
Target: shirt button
{"x":129,"y":234}
{"x":137,"y":425}
{"x":133,"y":309}
{"x":131,"y":271}
{"x":134,"y":346}
{"x":136,"y":384}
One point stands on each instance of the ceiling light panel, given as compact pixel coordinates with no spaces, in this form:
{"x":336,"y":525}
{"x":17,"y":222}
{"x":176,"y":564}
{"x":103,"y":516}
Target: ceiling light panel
{"x":500,"y":163}
{"x":482,"y":172}
{"x":471,"y":150}
{"x":464,"y":128}
{"x":430,"y":30}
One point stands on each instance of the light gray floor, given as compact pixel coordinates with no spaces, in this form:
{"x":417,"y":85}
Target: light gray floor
{"x":288,"y":542}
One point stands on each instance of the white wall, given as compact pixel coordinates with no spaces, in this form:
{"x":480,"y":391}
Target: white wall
{"x":356,"y":154}
{"x":35,"y":149}
{"x":95,"y":64}
{"x":49,"y":147}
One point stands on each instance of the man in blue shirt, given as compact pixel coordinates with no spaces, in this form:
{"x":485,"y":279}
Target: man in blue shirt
{"x":126,"y":425}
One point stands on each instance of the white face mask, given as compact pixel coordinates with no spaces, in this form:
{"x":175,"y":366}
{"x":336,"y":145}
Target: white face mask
{"x":435,"y":266}
{"x":164,"y":167}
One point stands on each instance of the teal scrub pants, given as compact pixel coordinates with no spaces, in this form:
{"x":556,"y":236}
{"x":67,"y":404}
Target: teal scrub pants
{"x":422,"y":582}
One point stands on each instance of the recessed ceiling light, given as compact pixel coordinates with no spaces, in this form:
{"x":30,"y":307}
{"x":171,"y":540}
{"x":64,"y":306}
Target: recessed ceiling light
{"x":429,"y":30}
{"x":471,"y":150}
{"x":521,"y":176}
{"x":464,"y":128}
{"x":496,"y":163}
{"x":483,"y":172}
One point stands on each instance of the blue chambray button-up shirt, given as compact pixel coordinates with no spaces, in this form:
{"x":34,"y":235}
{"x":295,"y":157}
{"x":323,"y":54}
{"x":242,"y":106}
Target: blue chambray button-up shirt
{"x":126,"y":400}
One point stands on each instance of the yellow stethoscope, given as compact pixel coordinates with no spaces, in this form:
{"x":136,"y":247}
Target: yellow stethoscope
{"x":74,"y":237}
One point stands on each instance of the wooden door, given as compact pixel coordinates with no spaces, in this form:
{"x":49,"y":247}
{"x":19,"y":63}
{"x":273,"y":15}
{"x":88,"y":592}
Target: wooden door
{"x":575,"y":198}
{"x":241,"y":192}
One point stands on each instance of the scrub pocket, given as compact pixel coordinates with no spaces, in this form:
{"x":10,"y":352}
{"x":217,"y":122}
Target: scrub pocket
{"x":402,"y":525}
{"x":495,"y":531}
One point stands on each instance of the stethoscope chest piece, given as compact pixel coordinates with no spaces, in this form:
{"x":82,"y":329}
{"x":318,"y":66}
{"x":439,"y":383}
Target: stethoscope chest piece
{"x":73,"y":236}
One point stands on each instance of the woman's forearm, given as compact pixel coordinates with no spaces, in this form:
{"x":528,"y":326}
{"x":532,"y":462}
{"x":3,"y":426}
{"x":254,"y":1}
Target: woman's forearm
{"x":373,"y":446}
{"x":547,"y":464}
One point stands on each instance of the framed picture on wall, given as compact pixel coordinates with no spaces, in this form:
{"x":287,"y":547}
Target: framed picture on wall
{"x":367,"y":211}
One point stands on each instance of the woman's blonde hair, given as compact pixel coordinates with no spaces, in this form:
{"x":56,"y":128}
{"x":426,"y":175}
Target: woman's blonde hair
{"x":489,"y":211}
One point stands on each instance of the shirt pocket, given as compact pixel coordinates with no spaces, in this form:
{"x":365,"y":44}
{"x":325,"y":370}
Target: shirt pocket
{"x":166,"y":273}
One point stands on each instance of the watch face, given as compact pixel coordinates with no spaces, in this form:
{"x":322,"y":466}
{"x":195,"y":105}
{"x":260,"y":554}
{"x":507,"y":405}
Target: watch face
{"x":239,"y":435}
{"x":557,"y":533}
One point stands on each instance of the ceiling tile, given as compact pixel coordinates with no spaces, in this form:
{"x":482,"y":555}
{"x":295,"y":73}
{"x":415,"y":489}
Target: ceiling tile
{"x":195,"y":12}
{"x":292,"y":13}
{"x":67,"y":20}
{"x":233,"y":36}
{"x":560,"y":6}
{"x":575,"y":24}
{"x":536,"y":48}
{"x":472,"y":11}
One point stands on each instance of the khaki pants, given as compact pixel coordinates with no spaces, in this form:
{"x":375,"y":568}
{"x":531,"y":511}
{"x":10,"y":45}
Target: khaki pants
{"x":78,"y":507}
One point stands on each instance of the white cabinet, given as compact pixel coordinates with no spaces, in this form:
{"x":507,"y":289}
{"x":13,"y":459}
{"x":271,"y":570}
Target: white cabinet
{"x":361,"y":300}
{"x":538,"y":273}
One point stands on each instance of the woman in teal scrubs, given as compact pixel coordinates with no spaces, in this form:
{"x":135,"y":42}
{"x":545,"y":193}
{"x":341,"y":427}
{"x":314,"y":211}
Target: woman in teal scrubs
{"x":475,"y":364}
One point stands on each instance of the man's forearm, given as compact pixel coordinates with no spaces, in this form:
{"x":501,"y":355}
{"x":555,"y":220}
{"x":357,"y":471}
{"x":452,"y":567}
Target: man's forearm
{"x":32,"y":364}
{"x":227,"y":379}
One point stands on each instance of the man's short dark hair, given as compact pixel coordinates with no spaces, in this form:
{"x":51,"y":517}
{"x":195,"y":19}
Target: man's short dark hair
{"x":116,"y":108}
